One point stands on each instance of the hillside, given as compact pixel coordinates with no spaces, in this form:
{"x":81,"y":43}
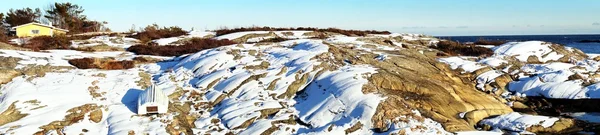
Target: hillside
{"x":301,"y":82}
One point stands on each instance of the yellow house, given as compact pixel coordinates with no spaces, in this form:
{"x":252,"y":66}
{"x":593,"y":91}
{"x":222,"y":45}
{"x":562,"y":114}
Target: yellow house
{"x":37,"y":29}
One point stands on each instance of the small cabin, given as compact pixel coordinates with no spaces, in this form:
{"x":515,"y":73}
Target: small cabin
{"x":37,"y":29}
{"x":152,"y":101}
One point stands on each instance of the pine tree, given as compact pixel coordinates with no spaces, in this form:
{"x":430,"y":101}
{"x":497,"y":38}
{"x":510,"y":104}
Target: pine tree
{"x":22,"y":16}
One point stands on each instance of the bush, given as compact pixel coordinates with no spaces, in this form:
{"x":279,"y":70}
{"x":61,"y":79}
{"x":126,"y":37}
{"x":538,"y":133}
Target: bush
{"x":191,"y":46}
{"x":106,"y":64}
{"x":84,"y":63}
{"x":482,"y":41}
{"x":276,"y":39}
{"x":116,"y":65}
{"x":3,"y":36}
{"x":152,"y":32}
{"x":48,"y":42}
{"x":335,"y":30}
{"x":457,"y":49}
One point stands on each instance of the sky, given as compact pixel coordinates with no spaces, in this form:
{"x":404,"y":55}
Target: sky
{"x":431,"y":17}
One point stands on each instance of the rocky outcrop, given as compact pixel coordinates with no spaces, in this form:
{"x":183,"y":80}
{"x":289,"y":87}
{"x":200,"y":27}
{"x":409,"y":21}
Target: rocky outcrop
{"x":74,"y":115}
{"x":11,"y":114}
{"x":411,"y":80}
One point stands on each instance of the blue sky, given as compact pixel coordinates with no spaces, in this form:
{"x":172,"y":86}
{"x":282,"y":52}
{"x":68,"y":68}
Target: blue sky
{"x":433,"y":17}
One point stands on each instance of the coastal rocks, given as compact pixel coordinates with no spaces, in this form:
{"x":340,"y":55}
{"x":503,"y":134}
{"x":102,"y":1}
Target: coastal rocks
{"x":6,"y":75}
{"x":11,"y":114}
{"x":538,"y":78}
{"x":74,"y":115}
{"x":415,"y":81}
{"x":523,"y":123}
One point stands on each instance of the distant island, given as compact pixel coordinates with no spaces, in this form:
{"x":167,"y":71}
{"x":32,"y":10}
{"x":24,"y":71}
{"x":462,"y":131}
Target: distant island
{"x":589,"y":41}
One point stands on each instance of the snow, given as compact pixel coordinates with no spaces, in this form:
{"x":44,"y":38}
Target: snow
{"x":552,"y":81}
{"x":479,"y":133}
{"x":295,"y":34}
{"x":410,"y":126}
{"x":246,"y":98}
{"x":522,"y":50}
{"x":486,"y":78}
{"x":166,"y":41}
{"x":227,"y":88}
{"x":492,"y":61}
{"x":236,"y":35}
{"x":60,"y":57}
{"x":585,"y":116}
{"x":462,"y":63}
{"x":191,"y":34}
{"x":336,"y":98}
{"x":518,"y":122}
{"x":52,"y":89}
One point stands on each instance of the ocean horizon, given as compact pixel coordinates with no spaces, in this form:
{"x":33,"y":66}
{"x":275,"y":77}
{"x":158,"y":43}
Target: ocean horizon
{"x":575,"y":41}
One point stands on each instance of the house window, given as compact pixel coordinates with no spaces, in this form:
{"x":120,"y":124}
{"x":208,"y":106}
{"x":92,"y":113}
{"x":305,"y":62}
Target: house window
{"x":35,"y":31}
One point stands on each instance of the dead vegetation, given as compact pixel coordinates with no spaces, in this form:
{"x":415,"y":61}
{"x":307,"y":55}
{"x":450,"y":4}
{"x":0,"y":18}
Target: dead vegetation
{"x":145,"y":59}
{"x":191,"y":46}
{"x":152,"y":32}
{"x":48,"y":42}
{"x":483,"y":41}
{"x":99,"y":48}
{"x":225,"y":31}
{"x":101,"y":63}
{"x":5,"y":46}
{"x":452,"y":48}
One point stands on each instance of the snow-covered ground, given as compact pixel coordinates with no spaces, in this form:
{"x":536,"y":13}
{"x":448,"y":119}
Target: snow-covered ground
{"x":245,"y":83}
{"x":518,"y":122}
{"x":279,"y":88}
{"x":549,"y":79}
{"x":191,"y":34}
{"x":558,"y":73}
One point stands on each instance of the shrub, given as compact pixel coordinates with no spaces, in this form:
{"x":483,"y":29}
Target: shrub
{"x":84,"y":63}
{"x":3,"y":37}
{"x":48,"y":42}
{"x":191,"y":46}
{"x":225,"y":31}
{"x":98,"y":48}
{"x":457,"y":49}
{"x":482,"y":41}
{"x":116,"y":65}
{"x":152,"y":32}
{"x":106,"y":64}
{"x":276,"y":39}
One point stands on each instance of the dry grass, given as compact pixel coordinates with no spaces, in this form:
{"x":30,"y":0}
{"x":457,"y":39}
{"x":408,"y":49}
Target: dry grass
{"x":5,"y":46}
{"x":154,"y":31}
{"x":99,"y":48}
{"x":334,"y":30}
{"x":48,"y":42}
{"x":482,"y":41}
{"x":457,"y":49}
{"x":191,"y":46}
{"x":106,"y":64}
